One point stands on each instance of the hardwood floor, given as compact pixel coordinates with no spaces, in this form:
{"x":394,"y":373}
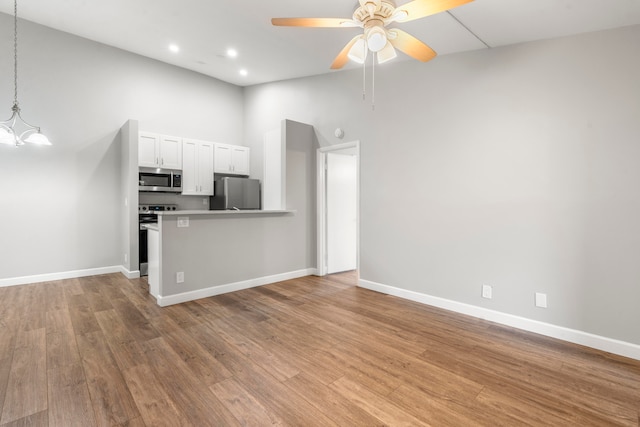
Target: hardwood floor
{"x":306,"y":352}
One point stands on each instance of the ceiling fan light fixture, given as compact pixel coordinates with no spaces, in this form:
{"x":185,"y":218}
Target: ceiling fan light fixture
{"x":376,"y":38}
{"x":374,"y":16}
{"x":387,"y":53}
{"x":358,"y":52}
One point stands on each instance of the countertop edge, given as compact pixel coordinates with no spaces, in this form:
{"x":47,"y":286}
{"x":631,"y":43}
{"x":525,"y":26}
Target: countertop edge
{"x":226,"y":212}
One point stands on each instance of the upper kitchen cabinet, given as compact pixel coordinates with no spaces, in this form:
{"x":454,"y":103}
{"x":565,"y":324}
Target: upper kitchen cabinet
{"x":197,"y":171}
{"x":231,"y":159}
{"x":159,"y":151}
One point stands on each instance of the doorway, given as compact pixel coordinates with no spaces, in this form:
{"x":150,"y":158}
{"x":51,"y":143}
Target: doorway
{"x":338,"y":208}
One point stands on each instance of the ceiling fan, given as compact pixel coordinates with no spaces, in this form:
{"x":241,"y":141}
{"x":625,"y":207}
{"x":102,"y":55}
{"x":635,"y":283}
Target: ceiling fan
{"x":373,"y":16}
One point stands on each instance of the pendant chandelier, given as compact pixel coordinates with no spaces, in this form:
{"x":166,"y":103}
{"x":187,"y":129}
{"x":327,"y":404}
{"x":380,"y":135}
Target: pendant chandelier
{"x":16,"y":131}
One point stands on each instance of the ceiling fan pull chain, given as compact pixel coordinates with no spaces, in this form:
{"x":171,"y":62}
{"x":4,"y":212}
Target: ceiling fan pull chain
{"x":373,"y":82}
{"x":364,"y":73}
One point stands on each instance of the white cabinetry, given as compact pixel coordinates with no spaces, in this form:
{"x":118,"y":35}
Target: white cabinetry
{"x":231,"y":159}
{"x":159,"y":151}
{"x":148,"y":149}
{"x":197,"y":171}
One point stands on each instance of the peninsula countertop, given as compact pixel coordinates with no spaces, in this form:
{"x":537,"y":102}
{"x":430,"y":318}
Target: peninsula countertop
{"x":226,"y":212}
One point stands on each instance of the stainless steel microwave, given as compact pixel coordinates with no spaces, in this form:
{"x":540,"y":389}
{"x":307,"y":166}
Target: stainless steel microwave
{"x":161,"y":180}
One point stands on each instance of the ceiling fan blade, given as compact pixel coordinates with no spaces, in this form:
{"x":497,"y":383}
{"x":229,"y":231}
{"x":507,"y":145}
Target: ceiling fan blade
{"x":411,"y":46}
{"x":417,"y":9}
{"x":343,"y":56}
{"x":314,"y":22}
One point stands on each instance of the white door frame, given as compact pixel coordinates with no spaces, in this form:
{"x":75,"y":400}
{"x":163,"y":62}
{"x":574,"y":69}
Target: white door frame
{"x":321,"y":190}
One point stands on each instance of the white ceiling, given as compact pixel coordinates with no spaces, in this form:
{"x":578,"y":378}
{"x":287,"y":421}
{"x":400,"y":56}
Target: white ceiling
{"x":204,"y":29}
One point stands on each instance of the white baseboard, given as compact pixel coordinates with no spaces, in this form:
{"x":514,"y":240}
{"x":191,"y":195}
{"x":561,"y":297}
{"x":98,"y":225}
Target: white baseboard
{"x":129,"y":274}
{"x":621,"y":348}
{"x":164,"y":301}
{"x":38,"y":278}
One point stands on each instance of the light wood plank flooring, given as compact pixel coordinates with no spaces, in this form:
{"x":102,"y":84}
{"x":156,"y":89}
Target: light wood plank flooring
{"x":306,"y":352}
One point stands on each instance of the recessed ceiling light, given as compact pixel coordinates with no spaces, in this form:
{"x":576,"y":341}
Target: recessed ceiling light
{"x":232,"y":53}
{"x":244,"y":72}
{"x":174,"y":48}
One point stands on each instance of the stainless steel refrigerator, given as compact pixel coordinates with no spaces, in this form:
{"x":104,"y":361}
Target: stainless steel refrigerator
{"x":235,"y":194}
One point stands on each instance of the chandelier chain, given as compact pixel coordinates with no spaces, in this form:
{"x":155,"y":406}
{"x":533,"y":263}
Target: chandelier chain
{"x":15,"y":52}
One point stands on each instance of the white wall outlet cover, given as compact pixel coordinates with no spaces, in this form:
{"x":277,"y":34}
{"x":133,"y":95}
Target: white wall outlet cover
{"x":487,"y":291}
{"x":180,"y":277}
{"x":541,"y":300}
{"x":183,"y":221}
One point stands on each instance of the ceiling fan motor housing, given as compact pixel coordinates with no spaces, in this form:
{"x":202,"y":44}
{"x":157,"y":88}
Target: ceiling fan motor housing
{"x":380,"y":10}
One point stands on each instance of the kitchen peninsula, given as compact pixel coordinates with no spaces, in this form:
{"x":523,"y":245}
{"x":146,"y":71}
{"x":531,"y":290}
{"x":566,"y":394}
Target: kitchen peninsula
{"x":197,"y":254}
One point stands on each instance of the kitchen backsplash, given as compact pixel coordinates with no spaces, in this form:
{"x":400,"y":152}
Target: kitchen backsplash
{"x":184,"y":203}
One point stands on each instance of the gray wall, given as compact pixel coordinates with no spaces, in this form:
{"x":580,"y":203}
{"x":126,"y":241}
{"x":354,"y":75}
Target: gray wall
{"x":129,"y":195}
{"x":61,"y":206}
{"x":301,"y":147}
{"x":515,"y":167}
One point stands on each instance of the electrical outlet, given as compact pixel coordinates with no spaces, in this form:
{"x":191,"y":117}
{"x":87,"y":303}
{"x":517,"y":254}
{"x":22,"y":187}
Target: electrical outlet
{"x":541,"y":300}
{"x":487,"y":291}
{"x":205,"y":201}
{"x":183,"y":221}
{"x":180,"y":277}
{"x":126,"y":257}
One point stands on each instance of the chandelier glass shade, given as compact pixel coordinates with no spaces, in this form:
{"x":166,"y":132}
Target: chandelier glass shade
{"x":16,"y":131}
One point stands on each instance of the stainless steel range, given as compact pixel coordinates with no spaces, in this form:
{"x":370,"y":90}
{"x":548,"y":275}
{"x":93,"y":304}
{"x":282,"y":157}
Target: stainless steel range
{"x":148,"y":214}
